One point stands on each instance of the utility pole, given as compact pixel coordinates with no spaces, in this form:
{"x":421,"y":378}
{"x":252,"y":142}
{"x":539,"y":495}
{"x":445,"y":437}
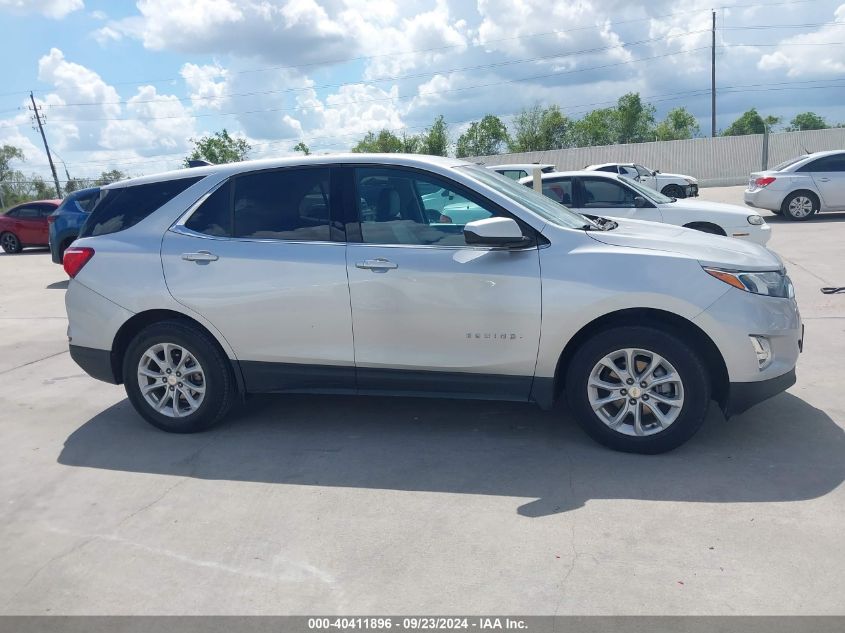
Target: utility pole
{"x":37,"y":114}
{"x":713,"y":76}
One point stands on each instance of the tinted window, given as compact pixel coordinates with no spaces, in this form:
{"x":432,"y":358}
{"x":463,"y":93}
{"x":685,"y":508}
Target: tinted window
{"x":610,"y":168}
{"x":827,"y":163}
{"x":604,"y":192}
{"x":86,"y":203}
{"x":559,"y":190}
{"x":45,"y":210}
{"x":28,"y":213}
{"x":121,"y":208}
{"x":515,"y":174}
{"x":642,"y":171}
{"x":290,"y":204}
{"x":214,"y":216}
{"x":393,"y":210}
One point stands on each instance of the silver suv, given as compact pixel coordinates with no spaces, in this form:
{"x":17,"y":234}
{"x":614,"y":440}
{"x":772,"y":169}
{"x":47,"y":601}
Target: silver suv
{"x":413,"y":275}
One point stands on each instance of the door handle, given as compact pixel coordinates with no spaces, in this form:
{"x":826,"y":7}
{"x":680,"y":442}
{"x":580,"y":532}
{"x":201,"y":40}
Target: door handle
{"x":825,"y":179}
{"x":201,"y":256}
{"x":379,"y":264}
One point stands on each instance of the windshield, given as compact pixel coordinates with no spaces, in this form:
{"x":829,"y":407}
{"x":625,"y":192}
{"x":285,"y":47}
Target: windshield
{"x":789,"y":162}
{"x":646,"y":192}
{"x":535,"y":202}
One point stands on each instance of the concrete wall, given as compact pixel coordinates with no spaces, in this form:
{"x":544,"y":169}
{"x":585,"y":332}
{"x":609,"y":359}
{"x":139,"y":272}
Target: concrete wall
{"x":720,"y":161}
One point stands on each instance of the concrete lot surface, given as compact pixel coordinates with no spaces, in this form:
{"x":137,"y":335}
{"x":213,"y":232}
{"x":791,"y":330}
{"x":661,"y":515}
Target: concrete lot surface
{"x":307,"y":504}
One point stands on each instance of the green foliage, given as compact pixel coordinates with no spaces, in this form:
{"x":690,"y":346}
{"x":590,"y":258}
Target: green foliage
{"x":596,"y":128}
{"x":41,"y":190}
{"x":807,"y":121}
{"x":12,"y":189}
{"x":385,"y":142}
{"x":108,"y":177}
{"x":634,"y":119}
{"x":219,"y":148}
{"x":483,"y":138}
{"x":539,"y":129}
{"x":750,"y":122}
{"x":302,"y":147}
{"x":435,"y":140}
{"x":679,"y":124}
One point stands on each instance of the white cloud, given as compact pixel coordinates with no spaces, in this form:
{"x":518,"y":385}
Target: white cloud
{"x":806,"y":56}
{"x":207,"y":84}
{"x":55,"y":9}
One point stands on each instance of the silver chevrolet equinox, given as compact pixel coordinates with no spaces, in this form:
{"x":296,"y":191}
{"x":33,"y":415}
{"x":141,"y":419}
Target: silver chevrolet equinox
{"x":414,"y":275}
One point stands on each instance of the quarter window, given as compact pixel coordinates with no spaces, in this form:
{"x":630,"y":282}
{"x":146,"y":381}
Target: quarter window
{"x":559,"y":190}
{"x":604,"y":192}
{"x":393,"y":209}
{"x":288,"y":204}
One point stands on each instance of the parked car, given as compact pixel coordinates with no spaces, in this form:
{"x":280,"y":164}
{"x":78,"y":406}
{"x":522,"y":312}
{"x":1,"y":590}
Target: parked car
{"x":197,"y":286}
{"x":607,"y":194}
{"x":800,"y":187}
{"x":26,"y":225}
{"x":65,"y":222}
{"x":672,"y":185}
{"x":515,"y":171}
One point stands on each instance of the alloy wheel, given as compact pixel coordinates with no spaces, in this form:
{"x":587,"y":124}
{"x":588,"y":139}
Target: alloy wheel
{"x":800,"y":207}
{"x":171,"y":380}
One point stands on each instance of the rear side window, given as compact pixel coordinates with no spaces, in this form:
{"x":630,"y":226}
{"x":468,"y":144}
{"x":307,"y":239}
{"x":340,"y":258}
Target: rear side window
{"x":121,"y":208}
{"x":826,"y":163}
{"x":288,"y":204}
{"x":559,"y":190}
{"x":214,"y":216}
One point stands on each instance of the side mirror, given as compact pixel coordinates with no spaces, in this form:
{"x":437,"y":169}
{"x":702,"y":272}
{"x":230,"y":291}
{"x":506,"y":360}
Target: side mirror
{"x":494,"y":232}
{"x":655,"y":172}
{"x":639,"y":202}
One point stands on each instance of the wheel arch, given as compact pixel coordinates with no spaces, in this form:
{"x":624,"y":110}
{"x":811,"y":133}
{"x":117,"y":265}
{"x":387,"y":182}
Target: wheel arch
{"x":139,"y":321}
{"x":808,"y":192}
{"x":650,"y":317}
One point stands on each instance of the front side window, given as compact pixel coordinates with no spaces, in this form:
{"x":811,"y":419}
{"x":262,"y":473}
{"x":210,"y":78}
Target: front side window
{"x":559,"y":190}
{"x":642,"y":171}
{"x":287,"y":204}
{"x":393,"y":208}
{"x":604,"y":192}
{"x":120,"y":208}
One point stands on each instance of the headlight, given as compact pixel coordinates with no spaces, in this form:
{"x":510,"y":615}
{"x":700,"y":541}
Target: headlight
{"x":771,"y":283}
{"x":756,"y":220}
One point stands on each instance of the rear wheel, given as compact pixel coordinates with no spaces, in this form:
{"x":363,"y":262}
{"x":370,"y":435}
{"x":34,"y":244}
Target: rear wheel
{"x":800,"y":206}
{"x":673,"y":191}
{"x":638,"y":389}
{"x":177,"y":378}
{"x":10,"y":243}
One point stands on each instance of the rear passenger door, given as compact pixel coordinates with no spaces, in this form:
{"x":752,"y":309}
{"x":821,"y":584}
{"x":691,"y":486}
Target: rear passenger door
{"x":263,"y":261}
{"x":828,"y":174}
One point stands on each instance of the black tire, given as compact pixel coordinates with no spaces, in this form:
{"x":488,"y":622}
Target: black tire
{"x":793,"y":214}
{"x":10,"y":242}
{"x":219,"y":382}
{"x":673,"y":191}
{"x":687,"y":363}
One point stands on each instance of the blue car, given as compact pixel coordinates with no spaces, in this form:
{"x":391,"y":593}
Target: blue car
{"x":66,"y":221}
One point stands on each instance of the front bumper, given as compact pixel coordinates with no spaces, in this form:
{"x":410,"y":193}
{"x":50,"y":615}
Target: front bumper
{"x":744,"y":395}
{"x":692,"y":191}
{"x":759,"y":234}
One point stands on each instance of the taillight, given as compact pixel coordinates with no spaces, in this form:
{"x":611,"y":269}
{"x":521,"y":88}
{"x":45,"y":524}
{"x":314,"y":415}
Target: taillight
{"x":75,"y":258}
{"x":764,"y":181}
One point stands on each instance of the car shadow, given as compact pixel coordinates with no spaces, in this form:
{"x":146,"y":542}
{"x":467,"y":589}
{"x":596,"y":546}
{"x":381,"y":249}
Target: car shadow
{"x":827,"y":216}
{"x":29,"y":250}
{"x":58,"y":285}
{"x":782,"y":450}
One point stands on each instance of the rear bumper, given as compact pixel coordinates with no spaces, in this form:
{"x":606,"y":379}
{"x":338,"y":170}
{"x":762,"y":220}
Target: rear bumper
{"x":744,"y":395}
{"x":763,"y":198}
{"x":97,"y":363}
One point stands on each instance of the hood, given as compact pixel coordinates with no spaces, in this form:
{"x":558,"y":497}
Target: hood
{"x":708,"y":249}
{"x":734,"y":211}
{"x":678,"y":176}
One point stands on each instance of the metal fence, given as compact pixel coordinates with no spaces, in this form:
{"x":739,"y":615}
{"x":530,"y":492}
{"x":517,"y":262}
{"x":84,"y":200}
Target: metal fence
{"x":720,"y":161}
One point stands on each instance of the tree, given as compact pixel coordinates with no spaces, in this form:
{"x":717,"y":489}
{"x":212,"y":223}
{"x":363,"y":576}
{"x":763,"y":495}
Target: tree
{"x":634,"y":119}
{"x":750,"y":122}
{"x":538,"y":129}
{"x":9,"y":177}
{"x":40,"y":189}
{"x":678,"y":124}
{"x":435,"y":140}
{"x":108,"y":177}
{"x":385,"y":142}
{"x":807,"y":121}
{"x":483,"y":138}
{"x":596,"y":128}
{"x":302,"y":147}
{"x":219,"y":148}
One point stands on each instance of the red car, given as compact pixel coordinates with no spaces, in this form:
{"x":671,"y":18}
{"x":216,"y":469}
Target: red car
{"x":26,"y":225}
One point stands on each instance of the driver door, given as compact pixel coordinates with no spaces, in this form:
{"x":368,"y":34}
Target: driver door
{"x":610,"y":198}
{"x":431,"y":314}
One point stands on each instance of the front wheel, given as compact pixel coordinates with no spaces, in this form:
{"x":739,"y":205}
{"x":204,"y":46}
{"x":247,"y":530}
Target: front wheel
{"x":674,"y":191}
{"x":638,"y":390}
{"x":10,"y":243}
{"x":177,"y":378}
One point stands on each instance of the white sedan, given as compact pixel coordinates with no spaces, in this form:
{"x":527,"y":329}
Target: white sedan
{"x":611,"y":195}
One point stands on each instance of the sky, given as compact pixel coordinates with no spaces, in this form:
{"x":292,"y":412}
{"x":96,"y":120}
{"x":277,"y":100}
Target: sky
{"x":127,"y":85}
